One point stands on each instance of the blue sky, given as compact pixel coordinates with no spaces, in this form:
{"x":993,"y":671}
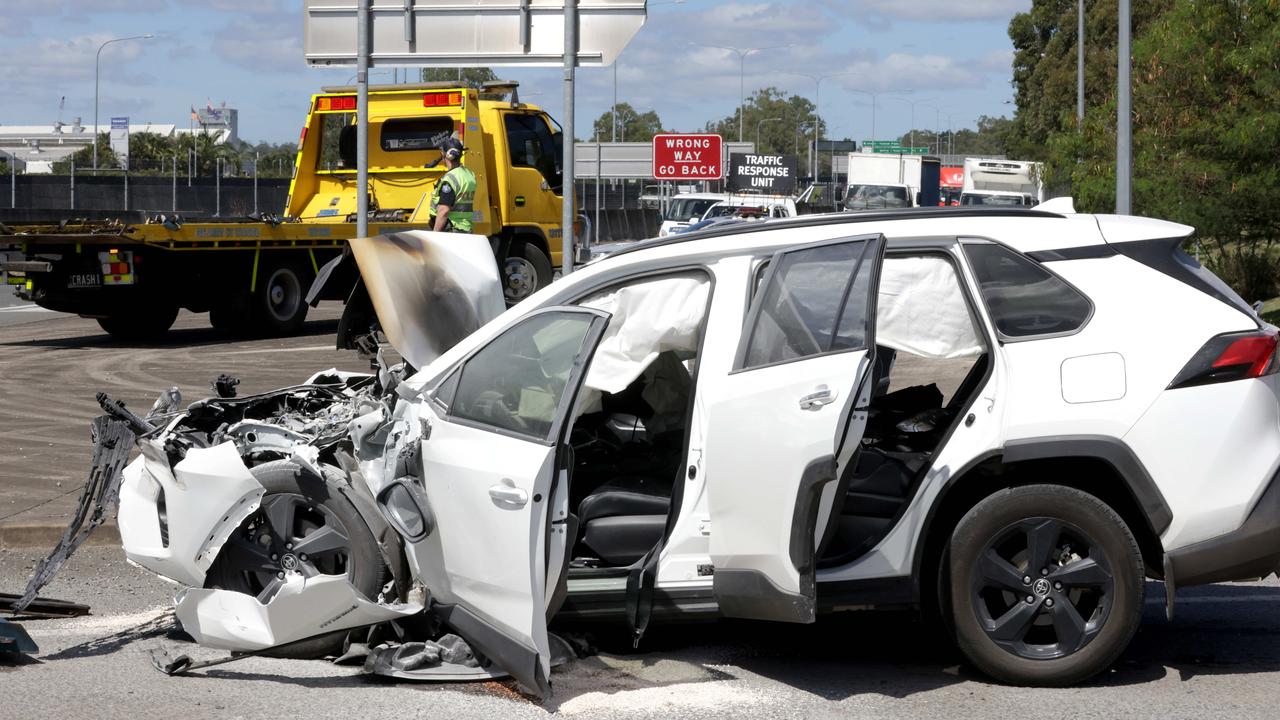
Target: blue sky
{"x":248,"y":53}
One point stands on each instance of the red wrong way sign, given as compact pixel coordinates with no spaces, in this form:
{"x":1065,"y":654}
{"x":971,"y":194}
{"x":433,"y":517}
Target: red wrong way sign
{"x":688,"y":157}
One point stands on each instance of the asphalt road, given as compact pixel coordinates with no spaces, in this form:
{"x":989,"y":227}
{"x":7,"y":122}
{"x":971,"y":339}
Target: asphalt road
{"x":1220,"y":657}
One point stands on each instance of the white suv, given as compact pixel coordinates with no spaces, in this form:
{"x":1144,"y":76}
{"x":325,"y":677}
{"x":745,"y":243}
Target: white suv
{"x":1010,"y":417}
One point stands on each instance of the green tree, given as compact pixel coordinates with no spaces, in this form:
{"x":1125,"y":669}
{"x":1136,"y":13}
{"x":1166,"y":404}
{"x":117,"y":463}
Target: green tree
{"x":785,"y":124}
{"x":633,"y":126}
{"x":991,"y":137}
{"x":470,"y":77}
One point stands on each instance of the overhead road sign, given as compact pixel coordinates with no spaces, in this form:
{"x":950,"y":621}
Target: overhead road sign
{"x":629,"y":160}
{"x":881,"y":143}
{"x":899,"y":150}
{"x":769,"y":174}
{"x":468,"y":33}
{"x":692,"y":156}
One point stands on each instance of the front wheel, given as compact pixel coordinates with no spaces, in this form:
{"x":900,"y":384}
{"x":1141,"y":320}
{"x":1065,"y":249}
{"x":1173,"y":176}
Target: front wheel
{"x":524,"y":271}
{"x":305,"y":526}
{"x":1046,"y":585}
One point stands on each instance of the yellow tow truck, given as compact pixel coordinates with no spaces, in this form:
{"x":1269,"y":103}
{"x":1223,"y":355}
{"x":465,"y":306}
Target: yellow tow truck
{"x":252,"y":274}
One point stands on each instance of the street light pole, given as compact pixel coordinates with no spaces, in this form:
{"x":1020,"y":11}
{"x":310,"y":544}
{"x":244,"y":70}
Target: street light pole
{"x":913,"y":104}
{"x":758,"y":123}
{"x":817,"y":112}
{"x":742,"y":75}
{"x":97,"y":61}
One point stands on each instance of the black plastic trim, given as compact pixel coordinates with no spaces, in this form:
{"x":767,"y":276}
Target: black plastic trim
{"x":669,"y":605}
{"x":520,"y":661}
{"x":836,"y":218}
{"x":1247,"y":553}
{"x":750,"y":594}
{"x":1160,"y":255}
{"x":1115,"y":453}
{"x":881,"y":592}
{"x":1083,"y":252}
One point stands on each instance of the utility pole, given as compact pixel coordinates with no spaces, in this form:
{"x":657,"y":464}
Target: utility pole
{"x":1080,"y":63}
{"x":742,"y":74}
{"x":1124,"y":116}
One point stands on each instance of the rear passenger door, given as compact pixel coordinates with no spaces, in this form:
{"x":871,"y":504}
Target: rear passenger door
{"x":785,"y":420}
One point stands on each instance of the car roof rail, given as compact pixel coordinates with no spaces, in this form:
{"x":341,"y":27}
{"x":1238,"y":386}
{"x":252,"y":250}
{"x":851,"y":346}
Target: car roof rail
{"x":840,"y":218}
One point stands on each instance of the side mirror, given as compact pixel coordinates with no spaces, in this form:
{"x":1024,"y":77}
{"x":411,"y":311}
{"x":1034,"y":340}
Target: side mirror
{"x":406,"y":510}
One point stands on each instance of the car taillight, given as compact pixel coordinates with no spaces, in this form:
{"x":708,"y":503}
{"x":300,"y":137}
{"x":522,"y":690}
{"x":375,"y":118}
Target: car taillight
{"x":1233,"y":356}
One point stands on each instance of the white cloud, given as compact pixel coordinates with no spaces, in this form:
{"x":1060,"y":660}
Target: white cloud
{"x":936,"y":10}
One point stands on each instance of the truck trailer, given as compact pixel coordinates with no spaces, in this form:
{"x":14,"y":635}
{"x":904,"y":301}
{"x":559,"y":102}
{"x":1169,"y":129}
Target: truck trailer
{"x":882,"y":180}
{"x":1002,"y":182}
{"x":252,"y":274}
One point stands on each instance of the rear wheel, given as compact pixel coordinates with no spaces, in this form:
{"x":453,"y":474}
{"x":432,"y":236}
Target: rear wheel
{"x":1045,"y":585}
{"x":279,"y":304}
{"x":304,"y":526}
{"x":524,"y":271}
{"x":145,"y":323}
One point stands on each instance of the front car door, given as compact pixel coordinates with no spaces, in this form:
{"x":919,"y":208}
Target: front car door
{"x":786,"y":421}
{"x":492,"y":460}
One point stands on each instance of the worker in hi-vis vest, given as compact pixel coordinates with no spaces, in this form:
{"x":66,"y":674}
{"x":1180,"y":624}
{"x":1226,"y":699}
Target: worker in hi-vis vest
{"x":454,"y":193}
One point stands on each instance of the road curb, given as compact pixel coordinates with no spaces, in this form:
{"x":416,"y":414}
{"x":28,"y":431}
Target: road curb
{"x":46,"y":535}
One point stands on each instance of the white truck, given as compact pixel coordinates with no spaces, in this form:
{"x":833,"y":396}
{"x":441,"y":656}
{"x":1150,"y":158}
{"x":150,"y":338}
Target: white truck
{"x":1002,"y":182}
{"x":882,"y":181}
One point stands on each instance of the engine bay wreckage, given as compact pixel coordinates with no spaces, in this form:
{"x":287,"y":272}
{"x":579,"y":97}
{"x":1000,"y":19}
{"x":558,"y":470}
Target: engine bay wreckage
{"x":288,"y":519}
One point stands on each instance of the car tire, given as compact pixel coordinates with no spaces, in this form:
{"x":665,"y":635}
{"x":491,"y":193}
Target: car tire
{"x":146,"y":323}
{"x":245,"y":562}
{"x":279,"y":306}
{"x":524,"y":270}
{"x":1046,"y":585}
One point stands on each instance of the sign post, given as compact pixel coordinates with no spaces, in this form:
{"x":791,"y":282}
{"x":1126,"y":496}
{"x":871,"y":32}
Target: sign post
{"x":769,"y":174}
{"x":688,"y":157}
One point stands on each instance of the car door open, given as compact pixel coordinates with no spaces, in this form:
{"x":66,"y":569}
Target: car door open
{"x":785,"y":422}
{"x":492,"y":455}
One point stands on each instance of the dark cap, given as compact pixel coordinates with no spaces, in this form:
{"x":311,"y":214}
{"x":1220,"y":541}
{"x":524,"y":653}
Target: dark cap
{"x":451,"y":147}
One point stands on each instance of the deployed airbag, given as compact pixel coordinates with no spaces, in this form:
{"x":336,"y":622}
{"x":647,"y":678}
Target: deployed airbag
{"x":649,"y":318}
{"x":429,"y":289}
{"x":922,"y":310}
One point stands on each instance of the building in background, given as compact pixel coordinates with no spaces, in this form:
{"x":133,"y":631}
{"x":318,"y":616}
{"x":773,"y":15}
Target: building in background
{"x":40,"y":146}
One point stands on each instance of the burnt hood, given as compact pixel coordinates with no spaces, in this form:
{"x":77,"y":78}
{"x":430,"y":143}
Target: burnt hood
{"x":429,"y":289}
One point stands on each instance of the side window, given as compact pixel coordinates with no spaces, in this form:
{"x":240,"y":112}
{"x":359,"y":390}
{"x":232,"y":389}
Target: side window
{"x":1024,"y":299}
{"x":814,"y":301}
{"x":399,"y":134}
{"x":533,"y":145}
{"x":516,"y":382}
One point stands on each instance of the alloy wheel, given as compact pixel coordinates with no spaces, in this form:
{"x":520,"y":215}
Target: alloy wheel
{"x":1042,"y":588}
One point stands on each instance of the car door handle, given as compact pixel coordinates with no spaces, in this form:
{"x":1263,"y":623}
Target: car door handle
{"x":507,"y":494}
{"x":821,"y":395}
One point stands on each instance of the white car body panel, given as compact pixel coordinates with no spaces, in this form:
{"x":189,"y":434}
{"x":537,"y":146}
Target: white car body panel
{"x":303,"y":607}
{"x":208,"y":478}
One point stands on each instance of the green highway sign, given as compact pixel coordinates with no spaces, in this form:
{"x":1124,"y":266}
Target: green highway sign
{"x":899,"y":150}
{"x":881,"y":143}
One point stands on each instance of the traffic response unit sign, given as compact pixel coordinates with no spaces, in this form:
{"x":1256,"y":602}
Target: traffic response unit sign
{"x":770,"y":174}
{"x":688,"y":157}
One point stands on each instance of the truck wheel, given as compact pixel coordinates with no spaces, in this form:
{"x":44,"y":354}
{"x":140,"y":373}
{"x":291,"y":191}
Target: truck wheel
{"x":525,"y":270}
{"x":1045,"y":585}
{"x":305,"y":525}
{"x":145,"y":323}
{"x":279,"y":304}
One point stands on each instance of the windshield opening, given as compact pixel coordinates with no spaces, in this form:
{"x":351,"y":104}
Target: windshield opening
{"x":862,"y":197}
{"x":682,"y":209}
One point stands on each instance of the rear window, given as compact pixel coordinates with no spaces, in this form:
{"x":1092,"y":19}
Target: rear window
{"x":399,"y":134}
{"x":1024,"y":299}
{"x":1168,"y":257}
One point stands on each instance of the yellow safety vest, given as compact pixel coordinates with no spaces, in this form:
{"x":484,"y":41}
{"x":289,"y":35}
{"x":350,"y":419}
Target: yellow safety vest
{"x":463,"y":182}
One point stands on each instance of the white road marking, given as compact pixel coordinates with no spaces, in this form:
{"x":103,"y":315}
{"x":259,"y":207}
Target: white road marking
{"x":25,"y":308}
{"x":309,"y":348}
